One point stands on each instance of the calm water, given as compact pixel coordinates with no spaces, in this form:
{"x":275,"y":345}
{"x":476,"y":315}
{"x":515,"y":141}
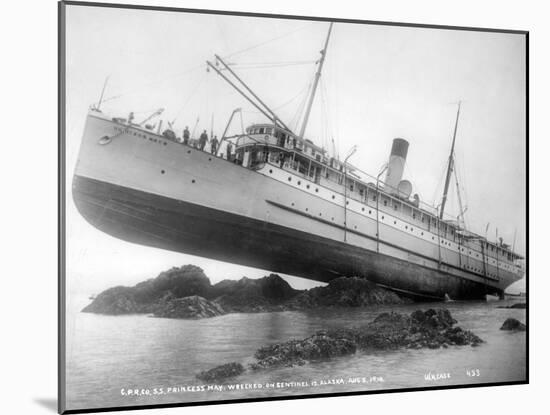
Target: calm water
{"x":106,"y":354}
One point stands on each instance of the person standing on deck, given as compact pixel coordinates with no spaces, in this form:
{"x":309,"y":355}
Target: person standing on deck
{"x":214,"y":145}
{"x":203,"y":139}
{"x":228,"y":150}
{"x":186,"y":136}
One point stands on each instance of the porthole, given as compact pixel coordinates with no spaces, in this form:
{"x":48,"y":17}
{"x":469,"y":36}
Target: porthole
{"x":193,"y":181}
{"x":422,"y":233}
{"x":406,"y":227}
{"x":162,"y":172}
{"x":317,"y":190}
{"x":307,"y":209}
{"x":347,"y":202}
{"x":412,"y":229}
{"x":270,"y":171}
{"x":209,"y":158}
{"x":292,"y":204}
{"x":165,"y":143}
{"x":362,"y":209}
{"x":307,"y":186}
{"x":299,"y":182}
{"x":395,"y":222}
{"x":382,"y":217}
{"x":188,"y":151}
{"x":332,"y":219}
{"x":333,"y":196}
{"x":370,"y":211}
{"x":320,"y":214}
{"x":290,"y":179}
{"x":355,"y":227}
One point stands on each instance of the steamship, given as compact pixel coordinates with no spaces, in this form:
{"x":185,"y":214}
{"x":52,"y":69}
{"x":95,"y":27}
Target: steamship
{"x":277,"y":201}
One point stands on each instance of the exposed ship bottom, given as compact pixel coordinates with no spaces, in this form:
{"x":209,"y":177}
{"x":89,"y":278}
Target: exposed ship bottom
{"x":162,"y":222}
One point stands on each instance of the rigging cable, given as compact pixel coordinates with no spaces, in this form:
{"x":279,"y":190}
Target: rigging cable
{"x":265,"y":42}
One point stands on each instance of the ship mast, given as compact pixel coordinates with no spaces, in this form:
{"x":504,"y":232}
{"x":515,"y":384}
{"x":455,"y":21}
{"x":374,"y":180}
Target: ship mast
{"x":450,"y":166}
{"x":315,"y":82}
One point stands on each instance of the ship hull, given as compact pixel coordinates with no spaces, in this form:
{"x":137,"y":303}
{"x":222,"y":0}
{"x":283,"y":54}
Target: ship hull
{"x":162,"y":222}
{"x":144,"y":188}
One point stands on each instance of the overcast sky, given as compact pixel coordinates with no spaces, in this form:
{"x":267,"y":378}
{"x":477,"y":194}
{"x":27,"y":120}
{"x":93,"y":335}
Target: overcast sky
{"x":379,"y":82}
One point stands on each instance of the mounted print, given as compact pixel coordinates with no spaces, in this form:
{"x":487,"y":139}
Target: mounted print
{"x":256,"y":207}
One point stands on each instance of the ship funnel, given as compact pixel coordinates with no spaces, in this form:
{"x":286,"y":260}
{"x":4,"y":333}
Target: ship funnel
{"x":396,"y":164}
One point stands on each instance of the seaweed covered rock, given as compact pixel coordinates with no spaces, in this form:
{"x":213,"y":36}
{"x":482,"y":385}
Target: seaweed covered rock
{"x":148,"y":296}
{"x":271,"y":293}
{"x":322,"y":345}
{"x":254,"y":295}
{"x":189,"y":307}
{"x":115,"y":301}
{"x":347,"y":292}
{"x":221,"y":372}
{"x":389,"y":331}
{"x":513,"y":325}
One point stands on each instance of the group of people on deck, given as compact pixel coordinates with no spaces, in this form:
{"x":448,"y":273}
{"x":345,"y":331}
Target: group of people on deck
{"x":201,"y":143}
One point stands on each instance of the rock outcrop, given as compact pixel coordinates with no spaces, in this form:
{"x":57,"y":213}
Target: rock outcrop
{"x":346,"y":292}
{"x":247,"y":295}
{"x":186,"y":292}
{"x":221,"y":372}
{"x":513,"y":325}
{"x":189,"y":307}
{"x":389,"y":331}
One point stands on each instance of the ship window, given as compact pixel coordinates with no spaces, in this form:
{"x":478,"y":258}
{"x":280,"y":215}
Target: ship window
{"x":395,"y":222}
{"x":370,"y":212}
{"x":299,"y":182}
{"x":270,"y":171}
{"x":382,"y":217}
{"x":421,"y":233}
{"x":385,"y":203}
{"x":317,"y":190}
{"x":193,"y":181}
{"x":406,"y":227}
{"x":162,"y":171}
{"x":412,"y":229}
{"x":347,"y":203}
{"x":289,"y":179}
{"x":307,"y":186}
{"x":333,"y":196}
{"x":362,"y":209}
{"x":307,"y":209}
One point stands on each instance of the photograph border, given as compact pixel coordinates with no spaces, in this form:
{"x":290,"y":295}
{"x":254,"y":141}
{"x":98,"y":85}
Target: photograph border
{"x":61,"y":188}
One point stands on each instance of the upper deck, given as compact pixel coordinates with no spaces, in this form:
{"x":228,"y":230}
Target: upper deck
{"x":267,"y":143}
